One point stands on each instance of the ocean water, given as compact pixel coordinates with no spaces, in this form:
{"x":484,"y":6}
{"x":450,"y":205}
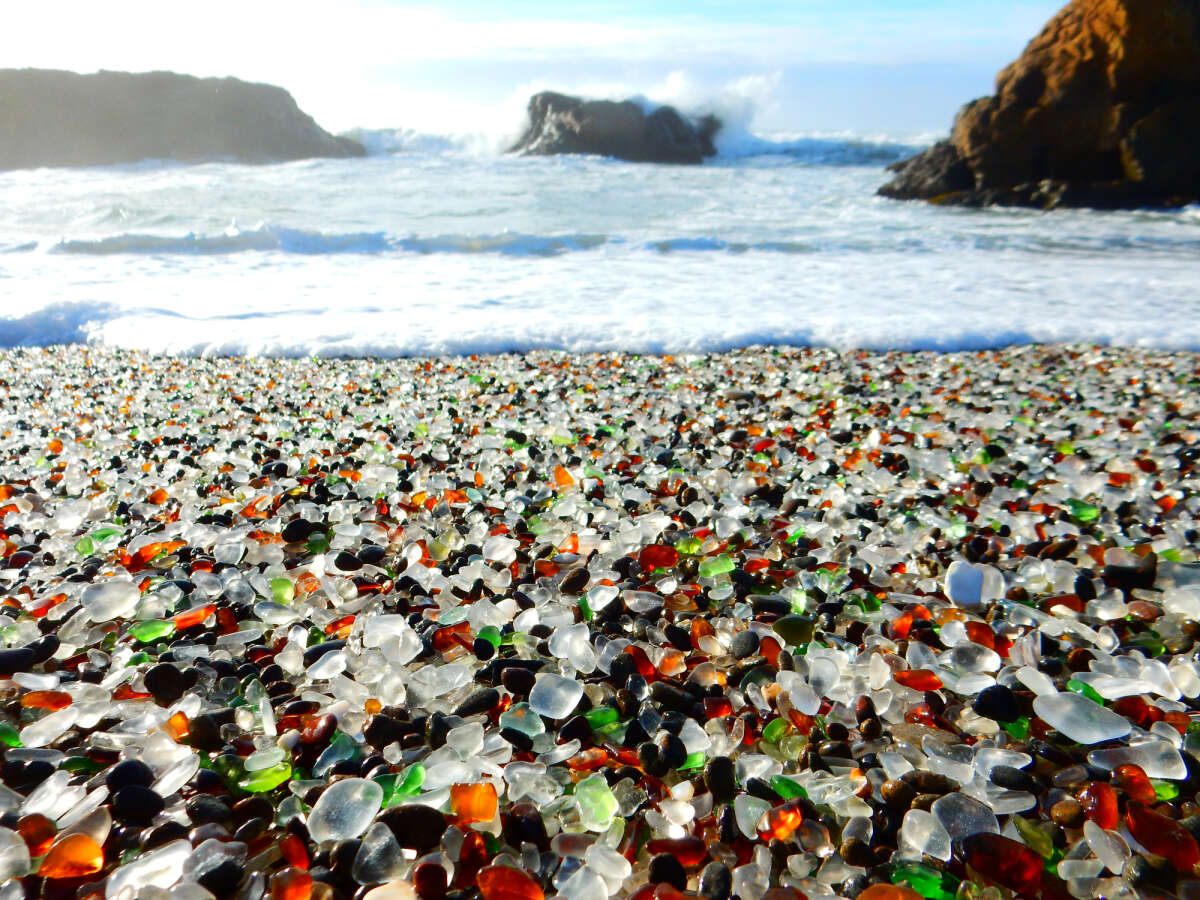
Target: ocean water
{"x":433,"y":245}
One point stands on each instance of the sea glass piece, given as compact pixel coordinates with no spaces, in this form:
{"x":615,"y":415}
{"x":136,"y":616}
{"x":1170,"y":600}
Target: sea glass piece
{"x":1079,"y":718}
{"x":344,"y":810}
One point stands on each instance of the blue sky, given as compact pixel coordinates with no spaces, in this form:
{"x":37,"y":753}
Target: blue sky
{"x":461,"y":65}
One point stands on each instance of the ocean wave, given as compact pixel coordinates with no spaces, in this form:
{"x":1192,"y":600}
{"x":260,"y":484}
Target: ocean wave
{"x":300,"y":242}
{"x":817,"y":150}
{"x":733,"y":145}
{"x":263,"y":239}
{"x":270,"y":238}
{"x":57,"y":323}
{"x":402,"y":141}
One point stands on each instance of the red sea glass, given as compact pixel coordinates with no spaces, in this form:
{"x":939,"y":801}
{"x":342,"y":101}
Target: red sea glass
{"x":507,"y":883}
{"x":1099,"y":802}
{"x":1004,"y":861}
{"x":657,"y":556}
{"x":1133,"y":781}
{"x":690,"y":851}
{"x":918,"y":679}
{"x":1162,"y":836}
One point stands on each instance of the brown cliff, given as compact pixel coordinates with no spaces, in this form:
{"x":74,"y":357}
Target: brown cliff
{"x":1100,"y":110}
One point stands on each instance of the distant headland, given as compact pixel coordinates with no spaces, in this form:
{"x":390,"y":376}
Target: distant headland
{"x":51,"y":118}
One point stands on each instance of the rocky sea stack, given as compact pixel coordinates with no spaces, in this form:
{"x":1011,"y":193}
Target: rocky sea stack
{"x":1101,"y":110}
{"x":562,"y":124}
{"x":54,"y":118}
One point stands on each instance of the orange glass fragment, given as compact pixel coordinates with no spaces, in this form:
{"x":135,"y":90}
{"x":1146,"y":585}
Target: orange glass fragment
{"x":158,"y":497}
{"x":657,"y":556}
{"x":74,"y":856}
{"x":178,"y":726}
{"x":294,"y":851}
{"x":918,"y":679}
{"x":125,"y":692}
{"x":981,"y":633}
{"x":592,"y":758}
{"x":889,"y":892}
{"x":717,"y":707}
{"x":770,"y":650}
{"x":306,"y":584}
{"x":46,"y":605}
{"x":37,"y":831}
{"x":473,"y":802}
{"x":196,"y":616}
{"x":562,"y":478}
{"x":443,"y":638}
{"x":55,"y":446}
{"x":1133,"y":780}
{"x":507,"y":883}
{"x":782,"y":821}
{"x":700,"y":628}
{"x":51,"y":700}
{"x":291,"y":884}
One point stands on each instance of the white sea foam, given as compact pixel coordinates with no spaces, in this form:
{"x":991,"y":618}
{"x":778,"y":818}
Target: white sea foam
{"x":431,"y":252}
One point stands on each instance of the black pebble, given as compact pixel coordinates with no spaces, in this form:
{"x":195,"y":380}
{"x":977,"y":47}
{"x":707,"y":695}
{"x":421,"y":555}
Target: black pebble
{"x":136,"y":804}
{"x":203,"y":809}
{"x":297,"y":530}
{"x":316,"y":651}
{"x":1014,"y":779}
{"x":223,"y":878}
{"x":128,"y":772}
{"x":666,"y":868}
{"x":415,"y":827}
{"x":651,"y":760}
{"x":575,"y":728}
{"x":517,"y":681}
{"x":383,"y":730}
{"x":347,"y":561}
{"x":997,"y":702}
{"x":744,"y":643}
{"x":720,"y":778}
{"x":166,"y":683}
{"x":671,"y":751}
{"x":163,"y":834}
{"x":478,"y":702}
{"x":16,"y":659}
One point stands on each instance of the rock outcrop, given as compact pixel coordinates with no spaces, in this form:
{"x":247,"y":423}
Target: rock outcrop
{"x":53,"y":118}
{"x":1102,"y":109}
{"x":562,"y":124}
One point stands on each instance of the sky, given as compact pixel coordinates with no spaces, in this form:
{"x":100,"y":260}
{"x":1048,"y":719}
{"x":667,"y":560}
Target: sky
{"x":462,"y":66}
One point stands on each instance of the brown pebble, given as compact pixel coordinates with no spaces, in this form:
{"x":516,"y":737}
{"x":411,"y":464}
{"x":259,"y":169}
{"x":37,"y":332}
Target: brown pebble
{"x":864,"y":708}
{"x":856,"y":852}
{"x":1070,"y":777}
{"x":1067,"y":813}
{"x":1141,"y":609}
{"x":924,"y":801}
{"x":898,"y":794}
{"x":926,"y":782}
{"x":1080,"y":659}
{"x":871,"y":729}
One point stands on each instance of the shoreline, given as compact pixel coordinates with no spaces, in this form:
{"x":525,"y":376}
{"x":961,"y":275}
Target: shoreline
{"x":786,"y":619}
